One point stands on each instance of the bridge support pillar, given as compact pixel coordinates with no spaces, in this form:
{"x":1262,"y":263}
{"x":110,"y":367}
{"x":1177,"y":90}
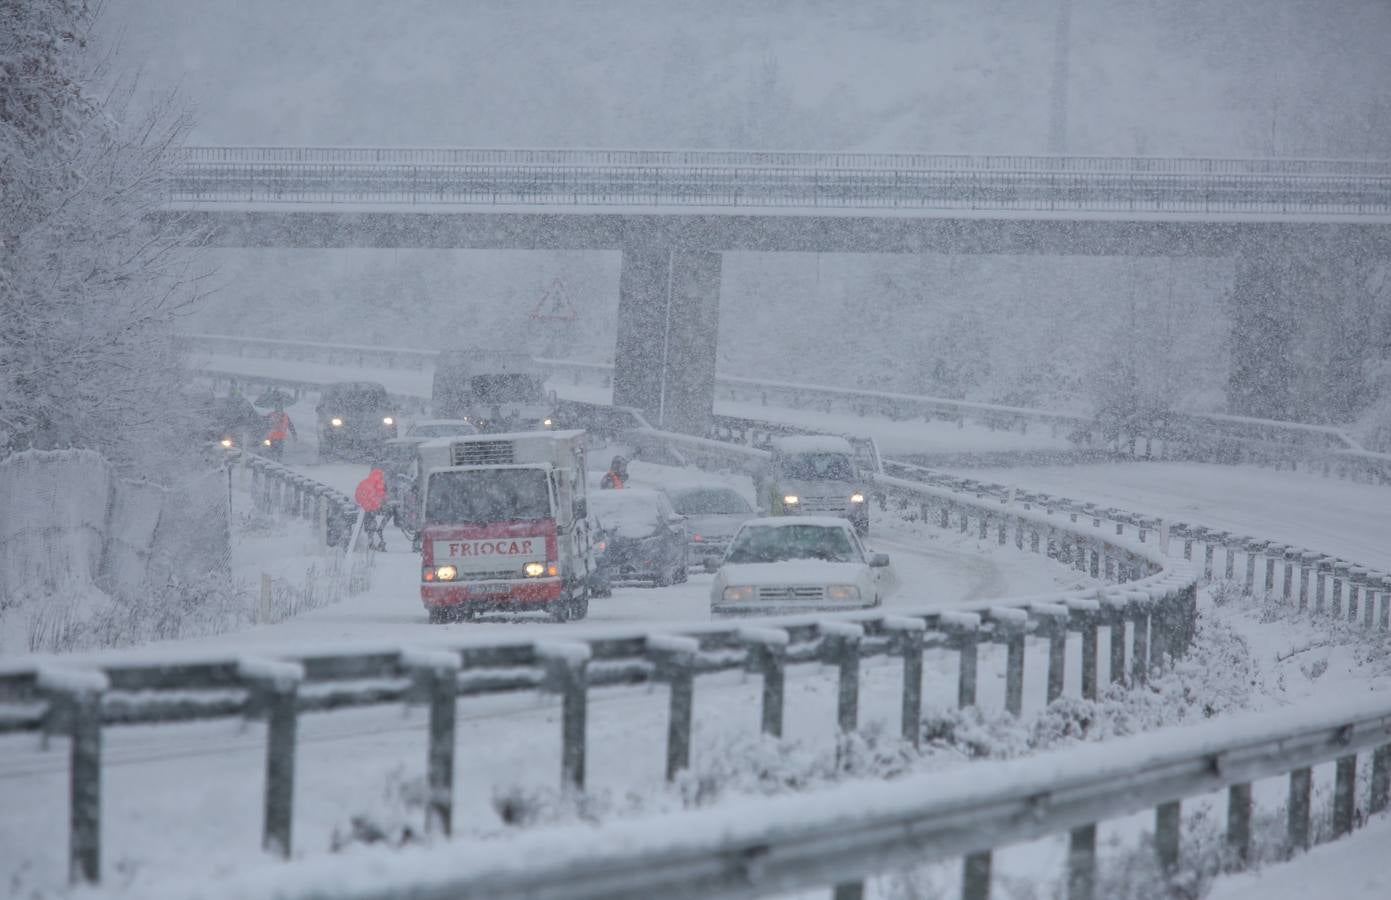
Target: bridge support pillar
{"x":668,"y":329}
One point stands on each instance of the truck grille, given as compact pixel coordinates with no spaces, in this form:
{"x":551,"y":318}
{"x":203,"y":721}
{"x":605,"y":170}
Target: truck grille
{"x":482,"y":453}
{"x":791,"y":593}
{"x":494,"y":575}
{"x":823,"y":504}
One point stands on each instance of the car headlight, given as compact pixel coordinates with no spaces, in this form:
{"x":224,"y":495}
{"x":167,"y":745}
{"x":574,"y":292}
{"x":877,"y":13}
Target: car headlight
{"x":446,"y":573}
{"x":336,"y":422}
{"x":534,"y":569}
{"x":226,"y":443}
{"x":388,"y":420}
{"x":791,"y":500}
{"x":857,"y":497}
{"x":266,"y":442}
{"x":547,"y":422}
{"x":738,"y":594}
{"x":842,"y":592}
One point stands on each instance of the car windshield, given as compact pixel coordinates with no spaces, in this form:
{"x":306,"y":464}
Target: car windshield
{"x":711,"y":502}
{"x":766,"y":544}
{"x":625,"y":513}
{"x":515,"y":388}
{"x":355,"y":399}
{"x":496,"y":495}
{"x":818,"y":467}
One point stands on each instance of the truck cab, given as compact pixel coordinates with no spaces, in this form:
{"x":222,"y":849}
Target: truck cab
{"x":818,"y":475}
{"x":503,"y":525}
{"x":494,"y":390}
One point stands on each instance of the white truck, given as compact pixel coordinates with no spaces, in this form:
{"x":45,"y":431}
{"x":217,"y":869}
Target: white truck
{"x":503,"y":525}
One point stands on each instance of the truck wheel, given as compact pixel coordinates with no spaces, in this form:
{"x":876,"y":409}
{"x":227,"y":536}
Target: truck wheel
{"x":560,"y":608}
{"x":440,"y":615}
{"x":682,"y":575}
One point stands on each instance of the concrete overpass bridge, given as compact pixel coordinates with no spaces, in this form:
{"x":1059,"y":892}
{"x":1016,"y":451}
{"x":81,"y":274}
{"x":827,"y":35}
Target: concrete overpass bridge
{"x":672,"y":213}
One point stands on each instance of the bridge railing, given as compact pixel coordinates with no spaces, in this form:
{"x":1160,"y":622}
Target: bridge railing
{"x":719,"y":179}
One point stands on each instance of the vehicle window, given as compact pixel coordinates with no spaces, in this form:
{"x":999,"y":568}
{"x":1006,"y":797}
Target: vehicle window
{"x":500,"y":495}
{"x":711,"y":502}
{"x":818,"y":467}
{"x":625,"y":513}
{"x":764,"y":544}
{"x":433,"y":431}
{"x":507,"y":388}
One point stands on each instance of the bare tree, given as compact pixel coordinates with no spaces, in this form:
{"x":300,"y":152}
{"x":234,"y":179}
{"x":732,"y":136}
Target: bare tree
{"x":90,"y":285}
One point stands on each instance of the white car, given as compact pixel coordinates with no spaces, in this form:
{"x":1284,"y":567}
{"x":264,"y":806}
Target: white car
{"x":786,"y":564}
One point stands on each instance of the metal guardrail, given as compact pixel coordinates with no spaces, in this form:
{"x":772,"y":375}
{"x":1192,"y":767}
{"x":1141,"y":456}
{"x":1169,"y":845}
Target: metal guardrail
{"x":724,"y":179}
{"x":1156,"y":601}
{"x":843,"y":835}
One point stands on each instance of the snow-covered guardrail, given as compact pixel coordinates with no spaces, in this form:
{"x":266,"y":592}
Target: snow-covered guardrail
{"x":845,"y":834}
{"x":1150,"y":612}
{"x":278,"y":488}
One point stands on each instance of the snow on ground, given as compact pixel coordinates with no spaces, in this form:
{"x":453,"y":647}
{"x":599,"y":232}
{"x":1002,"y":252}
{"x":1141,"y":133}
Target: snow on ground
{"x":1354,"y":868}
{"x":1336,"y":517}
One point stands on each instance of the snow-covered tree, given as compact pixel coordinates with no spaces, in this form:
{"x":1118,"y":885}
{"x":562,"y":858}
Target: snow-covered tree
{"x":90,"y":283}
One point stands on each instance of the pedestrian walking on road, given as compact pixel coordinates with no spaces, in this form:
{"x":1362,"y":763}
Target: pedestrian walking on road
{"x":370,"y":495}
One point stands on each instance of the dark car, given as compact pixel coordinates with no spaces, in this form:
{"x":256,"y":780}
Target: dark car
{"x":231,"y":422}
{"x":713,"y":513}
{"x":356,"y":419}
{"x":638,"y":537}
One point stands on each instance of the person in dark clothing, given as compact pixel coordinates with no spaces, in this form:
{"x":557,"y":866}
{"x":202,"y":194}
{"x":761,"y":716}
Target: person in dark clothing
{"x":617,"y":475}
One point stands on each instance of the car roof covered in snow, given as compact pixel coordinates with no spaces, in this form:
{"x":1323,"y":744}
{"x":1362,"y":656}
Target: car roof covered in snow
{"x":812,"y":443}
{"x":787,"y":521}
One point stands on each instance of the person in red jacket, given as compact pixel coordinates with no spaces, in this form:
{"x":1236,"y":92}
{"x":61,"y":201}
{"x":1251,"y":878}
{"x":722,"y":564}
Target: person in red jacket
{"x":617,"y":474}
{"x":279,"y":428}
{"x":370,"y":495}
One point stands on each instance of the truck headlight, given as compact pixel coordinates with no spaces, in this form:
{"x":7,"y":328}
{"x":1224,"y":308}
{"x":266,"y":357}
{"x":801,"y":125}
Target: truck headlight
{"x":857,"y":497}
{"x":791,"y":500}
{"x":336,"y":422}
{"x":226,"y":443}
{"x":534,"y":569}
{"x":738,"y":594}
{"x":843,"y":592}
{"x":388,"y":420}
{"x":446,"y":573}
{"x":547,"y":423}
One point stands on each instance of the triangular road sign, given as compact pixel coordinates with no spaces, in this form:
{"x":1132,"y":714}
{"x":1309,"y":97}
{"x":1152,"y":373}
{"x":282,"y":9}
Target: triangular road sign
{"x":555,"y":305}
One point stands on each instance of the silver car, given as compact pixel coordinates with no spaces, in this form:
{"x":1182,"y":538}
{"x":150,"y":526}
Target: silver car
{"x":713,"y":513}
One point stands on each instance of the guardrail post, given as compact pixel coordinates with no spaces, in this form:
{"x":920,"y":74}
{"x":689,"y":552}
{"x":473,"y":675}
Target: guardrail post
{"x":567,"y":673}
{"x":1014,"y":623}
{"x":841,"y":647}
{"x":322,"y":508}
{"x":975,"y":876}
{"x":1139,"y":648}
{"x":1297,"y":829}
{"x":1083,"y":615}
{"x":436,"y":677}
{"x":1115,"y":622}
{"x":1056,"y":629}
{"x":1208,"y":546}
{"x":909,"y":638}
{"x":1357,"y":592}
{"x":1344,"y":794}
{"x":276,"y":688}
{"x":767,"y":655}
{"x":984,"y":527}
{"x":1081,"y":863}
{"x":1340,"y":574}
{"x":1386,"y":603}
{"x":75,"y":699}
{"x":1229,"y":548}
{"x":1321,"y":570}
{"x":1252,"y":548}
{"x":1287,"y":587}
{"x":1306,"y":562}
{"x":1272,"y":553}
{"x":963,"y":630}
{"x":1167,"y":817}
{"x":946,"y":515}
{"x":674,"y":659}
{"x":1239,"y":824}
{"x":1380,"y":796}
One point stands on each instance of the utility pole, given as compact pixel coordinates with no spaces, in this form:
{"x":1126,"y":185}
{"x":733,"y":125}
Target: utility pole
{"x":1057,"y":119}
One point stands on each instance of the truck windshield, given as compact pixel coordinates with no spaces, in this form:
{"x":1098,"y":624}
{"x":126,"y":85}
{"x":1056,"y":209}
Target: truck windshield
{"x":512,"y":388}
{"x":490,"y":495}
{"x":818,"y":467}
